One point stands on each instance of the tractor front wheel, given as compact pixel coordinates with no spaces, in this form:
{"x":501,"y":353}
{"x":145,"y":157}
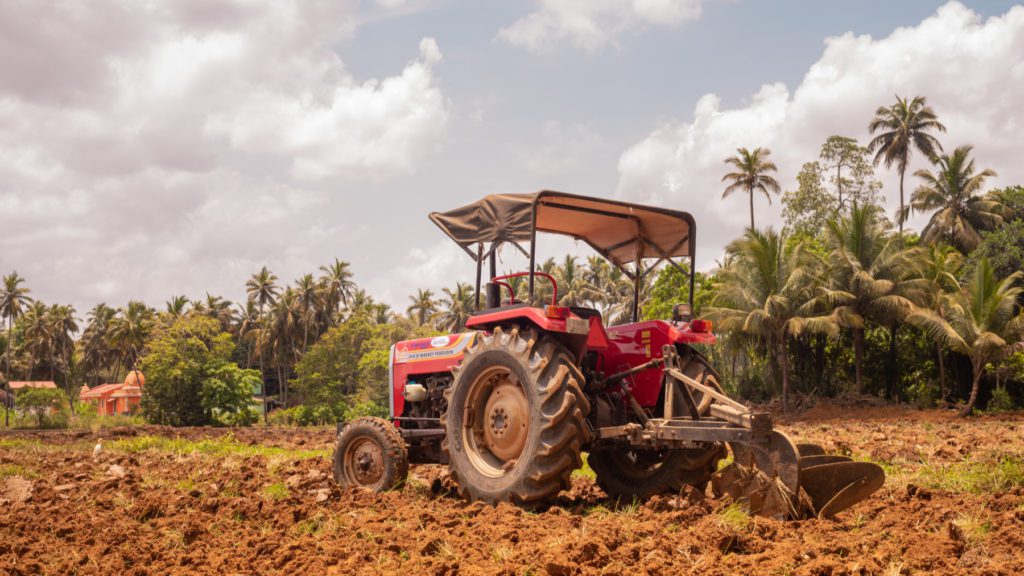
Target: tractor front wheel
{"x":370,"y":454}
{"x":515,"y":418}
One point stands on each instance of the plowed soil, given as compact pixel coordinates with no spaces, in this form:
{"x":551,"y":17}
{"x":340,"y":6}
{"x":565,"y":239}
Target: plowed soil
{"x":261,"y":501}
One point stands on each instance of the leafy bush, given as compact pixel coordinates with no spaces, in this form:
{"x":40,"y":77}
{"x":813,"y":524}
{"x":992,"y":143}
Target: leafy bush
{"x":191,"y":380}
{"x":46,"y":405}
{"x":1001,"y":401}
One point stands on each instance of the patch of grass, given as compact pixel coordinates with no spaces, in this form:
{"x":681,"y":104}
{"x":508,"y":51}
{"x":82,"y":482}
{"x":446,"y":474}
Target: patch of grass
{"x":974,"y":529}
{"x":586,"y":471}
{"x":499,"y":554}
{"x":311,"y":526}
{"x":186,"y":485}
{"x":975,"y":477}
{"x":276,"y":491}
{"x":8,"y":470}
{"x":18,"y":443}
{"x":735,"y":517}
{"x":222,"y":446}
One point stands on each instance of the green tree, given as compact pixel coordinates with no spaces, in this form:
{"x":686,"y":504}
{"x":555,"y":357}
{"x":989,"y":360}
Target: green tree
{"x":671,"y":287}
{"x":938,"y":265}
{"x":867,"y":270}
{"x":338,"y":288}
{"x":457,"y":306}
{"x":39,"y":402}
{"x":190,"y":379}
{"x":982,"y":321}
{"x":14,"y":298}
{"x":751,"y":175}
{"x":808,"y":209}
{"x":853,"y":176}
{"x":262,"y":289}
{"x":1002,"y":247}
{"x":952,"y":194}
{"x":904,"y":127}
{"x":422,"y":307}
{"x":767,"y":290}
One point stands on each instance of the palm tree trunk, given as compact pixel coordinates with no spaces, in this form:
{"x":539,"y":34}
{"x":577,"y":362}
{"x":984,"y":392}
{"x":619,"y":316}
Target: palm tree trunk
{"x":942,"y":373}
{"x":979,"y":369}
{"x":900,"y":218}
{"x":751,"y":194}
{"x":7,"y":372}
{"x":858,"y":358}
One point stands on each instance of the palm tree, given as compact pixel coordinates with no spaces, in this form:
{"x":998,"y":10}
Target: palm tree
{"x":248,"y":322}
{"x":868,"y":269}
{"x":767,"y":291}
{"x":63,"y":325}
{"x":423,"y":306}
{"x":904,"y":127}
{"x":937,"y":266}
{"x":37,"y":330}
{"x":456,"y":307}
{"x":309,"y":295}
{"x":129,"y":332}
{"x":338,"y":287}
{"x":97,"y":352}
{"x":981,"y":321}
{"x":14,"y":299}
{"x":262,"y":289}
{"x":751,"y":175}
{"x":960,"y":212}
{"x":219,"y":309}
{"x":572,"y":287}
{"x":282,"y":336}
{"x":176,"y":306}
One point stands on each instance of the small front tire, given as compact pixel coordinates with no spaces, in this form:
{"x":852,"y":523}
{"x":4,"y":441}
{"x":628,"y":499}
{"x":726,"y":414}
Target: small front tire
{"x":370,"y":454}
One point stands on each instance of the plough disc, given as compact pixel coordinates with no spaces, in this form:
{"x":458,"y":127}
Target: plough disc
{"x":781,"y":479}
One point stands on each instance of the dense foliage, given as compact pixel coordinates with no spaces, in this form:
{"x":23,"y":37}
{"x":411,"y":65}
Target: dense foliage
{"x":191,"y":380}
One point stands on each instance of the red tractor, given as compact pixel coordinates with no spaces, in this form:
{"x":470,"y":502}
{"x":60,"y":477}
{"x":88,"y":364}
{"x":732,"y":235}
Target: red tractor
{"x":511,"y":405}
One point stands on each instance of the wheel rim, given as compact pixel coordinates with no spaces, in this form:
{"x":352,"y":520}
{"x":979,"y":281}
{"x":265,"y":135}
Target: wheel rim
{"x":364,"y":462}
{"x":498,"y":421}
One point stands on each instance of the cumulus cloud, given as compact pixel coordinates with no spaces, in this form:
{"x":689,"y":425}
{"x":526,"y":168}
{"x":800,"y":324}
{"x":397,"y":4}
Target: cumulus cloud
{"x":177,"y":146}
{"x":593,"y":24}
{"x":970,"y":70}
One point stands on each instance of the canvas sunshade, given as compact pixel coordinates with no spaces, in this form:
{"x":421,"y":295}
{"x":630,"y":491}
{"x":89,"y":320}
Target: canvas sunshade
{"x":619,"y":231}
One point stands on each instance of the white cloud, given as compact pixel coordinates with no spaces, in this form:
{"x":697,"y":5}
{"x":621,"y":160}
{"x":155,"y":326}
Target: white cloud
{"x":155,"y":148}
{"x":970,"y":69}
{"x":593,"y":24}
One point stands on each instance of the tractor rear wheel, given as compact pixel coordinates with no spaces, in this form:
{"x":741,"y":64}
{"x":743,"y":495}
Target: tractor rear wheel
{"x":631,"y":474}
{"x":700,"y":370}
{"x":370,"y":454}
{"x":515,"y":418}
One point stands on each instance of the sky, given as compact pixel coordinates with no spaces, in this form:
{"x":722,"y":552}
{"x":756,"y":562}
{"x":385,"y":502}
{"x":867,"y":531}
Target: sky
{"x":150,"y":149}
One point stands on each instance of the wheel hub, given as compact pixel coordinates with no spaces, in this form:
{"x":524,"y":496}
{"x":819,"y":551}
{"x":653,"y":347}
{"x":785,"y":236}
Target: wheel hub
{"x":365,"y":461}
{"x":506,"y":419}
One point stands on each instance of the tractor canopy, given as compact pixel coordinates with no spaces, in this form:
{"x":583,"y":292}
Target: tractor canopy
{"x":622,"y":232}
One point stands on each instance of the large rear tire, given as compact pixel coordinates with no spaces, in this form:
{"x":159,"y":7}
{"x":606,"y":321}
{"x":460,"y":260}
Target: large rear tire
{"x":515,"y":420}
{"x":370,"y":454}
{"x":630,"y":474}
{"x":700,"y":370}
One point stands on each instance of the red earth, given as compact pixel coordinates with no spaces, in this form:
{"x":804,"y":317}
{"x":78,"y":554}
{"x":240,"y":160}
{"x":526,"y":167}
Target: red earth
{"x":261,"y":501}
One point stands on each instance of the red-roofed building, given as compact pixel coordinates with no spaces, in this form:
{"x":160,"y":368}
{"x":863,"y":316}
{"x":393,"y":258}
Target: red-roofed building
{"x":37,"y":384}
{"x":114,"y":399}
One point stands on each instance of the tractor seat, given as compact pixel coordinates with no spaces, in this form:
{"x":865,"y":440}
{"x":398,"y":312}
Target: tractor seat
{"x":585,"y":313}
